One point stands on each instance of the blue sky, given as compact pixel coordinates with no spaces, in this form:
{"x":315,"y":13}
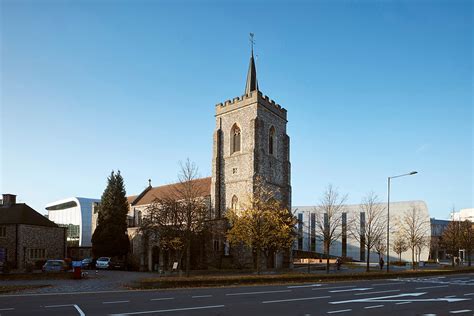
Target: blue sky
{"x":372,"y":88}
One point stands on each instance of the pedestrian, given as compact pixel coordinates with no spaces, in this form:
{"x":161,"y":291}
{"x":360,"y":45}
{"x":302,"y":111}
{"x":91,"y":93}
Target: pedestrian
{"x":338,"y":263}
{"x":381,"y":263}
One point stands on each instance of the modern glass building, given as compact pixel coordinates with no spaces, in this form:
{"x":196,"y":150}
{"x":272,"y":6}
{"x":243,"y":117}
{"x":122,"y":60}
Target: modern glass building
{"x":76,"y":214}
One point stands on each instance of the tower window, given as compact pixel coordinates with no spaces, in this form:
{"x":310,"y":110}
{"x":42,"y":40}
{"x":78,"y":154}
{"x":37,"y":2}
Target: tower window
{"x":271,"y":141}
{"x":235,"y":139}
{"x":235,"y":201}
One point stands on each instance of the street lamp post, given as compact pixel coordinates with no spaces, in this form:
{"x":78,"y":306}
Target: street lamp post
{"x":388,"y":214}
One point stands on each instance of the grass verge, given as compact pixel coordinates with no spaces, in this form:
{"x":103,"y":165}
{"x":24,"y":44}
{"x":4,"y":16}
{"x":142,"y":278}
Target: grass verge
{"x":17,"y":288}
{"x":232,"y":280}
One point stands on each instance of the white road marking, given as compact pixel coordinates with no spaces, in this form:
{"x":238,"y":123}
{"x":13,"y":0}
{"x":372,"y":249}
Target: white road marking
{"x":296,"y":299}
{"x":402,"y":303}
{"x":115,"y":302}
{"x":430,"y":287}
{"x":382,"y":284}
{"x":469,"y":294}
{"x":373,"y":306}
{"x":200,"y":296}
{"x":162,"y":299}
{"x":429,"y":314}
{"x":340,"y":311}
{"x":54,"y":306}
{"x":81,"y":313}
{"x":350,"y":290}
{"x":367,"y":293}
{"x":371,"y":299}
{"x":335,"y":287}
{"x":450,"y":296}
{"x":75,"y":293}
{"x":170,"y":310}
{"x":301,"y":286}
{"x":460,"y":311}
{"x":262,"y":292}
{"x":6,"y":309}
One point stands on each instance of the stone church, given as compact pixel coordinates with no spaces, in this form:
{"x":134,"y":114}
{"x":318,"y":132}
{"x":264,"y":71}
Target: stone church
{"x":250,"y":141}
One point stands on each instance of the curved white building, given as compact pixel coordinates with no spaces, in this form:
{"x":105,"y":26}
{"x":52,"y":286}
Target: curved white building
{"x":76,"y":214}
{"x":348,"y":246}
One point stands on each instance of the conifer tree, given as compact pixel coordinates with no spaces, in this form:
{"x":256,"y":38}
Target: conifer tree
{"x":110,"y":236}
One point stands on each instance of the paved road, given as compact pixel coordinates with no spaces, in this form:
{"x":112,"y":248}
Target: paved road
{"x":449,"y":295}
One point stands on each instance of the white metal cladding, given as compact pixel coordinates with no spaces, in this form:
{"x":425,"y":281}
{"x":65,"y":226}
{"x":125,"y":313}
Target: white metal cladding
{"x":79,"y":214}
{"x":397,"y":210}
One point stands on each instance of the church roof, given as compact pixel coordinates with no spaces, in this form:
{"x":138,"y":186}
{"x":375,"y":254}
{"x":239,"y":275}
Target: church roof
{"x":202,"y":185}
{"x":20,"y":213}
{"x":251,"y":84}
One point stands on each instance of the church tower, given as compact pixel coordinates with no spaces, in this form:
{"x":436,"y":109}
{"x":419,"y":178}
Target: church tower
{"x":250,"y":141}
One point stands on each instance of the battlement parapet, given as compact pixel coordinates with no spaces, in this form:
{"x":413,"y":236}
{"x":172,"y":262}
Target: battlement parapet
{"x":252,"y":96}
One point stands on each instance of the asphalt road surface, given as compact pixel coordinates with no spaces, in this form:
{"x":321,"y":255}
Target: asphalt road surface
{"x":445,"y":295}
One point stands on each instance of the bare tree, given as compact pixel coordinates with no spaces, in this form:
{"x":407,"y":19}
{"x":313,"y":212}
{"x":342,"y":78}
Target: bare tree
{"x":179,"y":216}
{"x":415,"y":227}
{"x":370,"y":228}
{"x":451,"y":238}
{"x":329,"y":218}
{"x":400,"y":245}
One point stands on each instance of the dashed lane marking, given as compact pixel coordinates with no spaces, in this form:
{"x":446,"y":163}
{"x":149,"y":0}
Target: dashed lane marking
{"x":383,"y":284}
{"x":340,"y":311}
{"x":402,"y":303}
{"x":296,"y":299}
{"x":334,"y":287}
{"x":302,"y":286}
{"x":170,"y":310}
{"x":6,"y":309}
{"x":461,"y":311}
{"x":350,"y":290}
{"x":373,"y":306}
{"x":430,"y":287}
{"x":469,"y":294}
{"x":162,"y":299}
{"x":201,"y":296}
{"x":368,"y":293}
{"x":260,"y":292}
{"x":81,"y":313}
{"x":116,"y":302}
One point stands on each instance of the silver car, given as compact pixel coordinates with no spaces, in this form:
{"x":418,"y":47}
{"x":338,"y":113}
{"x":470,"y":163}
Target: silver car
{"x":102,"y":263}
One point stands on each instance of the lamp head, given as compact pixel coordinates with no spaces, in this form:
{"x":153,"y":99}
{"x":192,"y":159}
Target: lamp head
{"x":413,"y":172}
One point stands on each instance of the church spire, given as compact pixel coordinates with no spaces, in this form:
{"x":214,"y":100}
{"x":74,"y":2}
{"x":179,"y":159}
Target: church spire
{"x":251,"y":84}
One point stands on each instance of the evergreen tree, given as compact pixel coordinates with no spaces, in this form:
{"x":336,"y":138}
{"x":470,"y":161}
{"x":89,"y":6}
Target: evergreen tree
{"x":110,"y":236}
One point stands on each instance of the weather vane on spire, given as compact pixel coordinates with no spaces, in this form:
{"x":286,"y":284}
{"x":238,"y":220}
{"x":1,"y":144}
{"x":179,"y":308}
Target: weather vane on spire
{"x":252,"y":41}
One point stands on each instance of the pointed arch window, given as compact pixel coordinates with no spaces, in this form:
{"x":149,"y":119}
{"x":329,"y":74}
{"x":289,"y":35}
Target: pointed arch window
{"x":271,"y":141}
{"x":234,"y":202}
{"x":235,"y":139}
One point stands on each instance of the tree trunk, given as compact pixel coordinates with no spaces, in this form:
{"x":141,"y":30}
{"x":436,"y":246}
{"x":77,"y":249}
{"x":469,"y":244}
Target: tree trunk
{"x":258,"y":260}
{"x":368,"y":260}
{"x":188,"y":257}
{"x":469,"y":258}
{"x":413,"y":258}
{"x":327,"y":258}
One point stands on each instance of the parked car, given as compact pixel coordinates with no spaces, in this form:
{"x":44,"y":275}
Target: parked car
{"x":117,"y":264}
{"x":102,"y":263}
{"x":55,"y":266}
{"x":88,"y":263}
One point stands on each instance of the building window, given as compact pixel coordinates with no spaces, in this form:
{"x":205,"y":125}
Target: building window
{"x":271,"y":141}
{"x":313,"y":231}
{"x":235,"y":139}
{"x":37,"y":253}
{"x":3,"y":231}
{"x":234,"y":203}
{"x":234,"y":170}
{"x":216,"y":245}
{"x":300,"y":231}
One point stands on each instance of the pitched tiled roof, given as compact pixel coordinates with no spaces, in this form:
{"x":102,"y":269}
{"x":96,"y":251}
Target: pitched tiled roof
{"x":21,"y":213}
{"x":131,"y":198}
{"x":203,"y":186}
